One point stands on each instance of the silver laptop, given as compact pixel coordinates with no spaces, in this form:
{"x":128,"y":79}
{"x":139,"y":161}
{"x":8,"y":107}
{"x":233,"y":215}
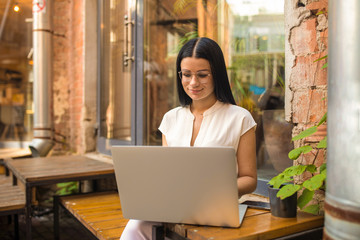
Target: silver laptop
{"x":191,"y":185}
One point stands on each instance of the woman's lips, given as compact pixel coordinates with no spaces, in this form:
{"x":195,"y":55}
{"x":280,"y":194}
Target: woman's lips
{"x":195,"y":91}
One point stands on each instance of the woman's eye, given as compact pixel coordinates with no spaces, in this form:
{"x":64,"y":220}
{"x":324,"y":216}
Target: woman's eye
{"x":187,"y":75}
{"x":202,"y":75}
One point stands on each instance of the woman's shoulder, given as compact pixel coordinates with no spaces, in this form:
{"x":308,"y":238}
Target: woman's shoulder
{"x":182,"y":110}
{"x":236,"y":110}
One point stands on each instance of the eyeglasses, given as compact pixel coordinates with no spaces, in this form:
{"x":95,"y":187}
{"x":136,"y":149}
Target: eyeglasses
{"x":201,"y":76}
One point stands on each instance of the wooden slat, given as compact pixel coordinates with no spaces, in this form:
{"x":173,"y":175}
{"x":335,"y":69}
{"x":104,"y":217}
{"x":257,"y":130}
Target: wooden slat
{"x":113,"y":233}
{"x":261,"y":226}
{"x":100,"y":213}
{"x":11,"y":197}
{"x":96,"y":210}
{"x":182,"y":229}
{"x":101,"y":217}
{"x":78,"y":203}
{"x":110,"y":224}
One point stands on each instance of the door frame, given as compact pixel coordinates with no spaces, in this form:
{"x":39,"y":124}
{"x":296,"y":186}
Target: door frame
{"x":104,"y":144}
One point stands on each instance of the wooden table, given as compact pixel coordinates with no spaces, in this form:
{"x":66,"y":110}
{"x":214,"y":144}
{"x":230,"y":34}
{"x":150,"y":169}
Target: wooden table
{"x":257,"y":224}
{"x":14,"y":153}
{"x":34,"y":172}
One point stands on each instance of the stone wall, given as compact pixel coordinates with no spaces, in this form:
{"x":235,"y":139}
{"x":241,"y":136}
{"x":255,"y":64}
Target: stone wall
{"x":306,"y":29}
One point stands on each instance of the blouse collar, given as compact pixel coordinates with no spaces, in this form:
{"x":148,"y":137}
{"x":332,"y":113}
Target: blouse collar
{"x":217,"y":105}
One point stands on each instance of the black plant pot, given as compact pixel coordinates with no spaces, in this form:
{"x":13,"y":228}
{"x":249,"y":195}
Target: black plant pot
{"x":285,"y":208}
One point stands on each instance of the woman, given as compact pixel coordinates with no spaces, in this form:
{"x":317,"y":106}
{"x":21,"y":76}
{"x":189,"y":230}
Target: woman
{"x":208,"y":117}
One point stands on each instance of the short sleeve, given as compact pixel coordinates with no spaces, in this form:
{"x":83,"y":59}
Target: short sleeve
{"x":248,"y":123}
{"x":164,"y":125}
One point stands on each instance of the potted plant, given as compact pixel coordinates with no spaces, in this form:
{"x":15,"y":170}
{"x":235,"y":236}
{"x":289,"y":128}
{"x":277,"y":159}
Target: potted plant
{"x":285,"y":181}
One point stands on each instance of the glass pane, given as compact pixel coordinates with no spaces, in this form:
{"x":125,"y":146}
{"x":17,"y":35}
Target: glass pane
{"x":16,"y":79}
{"x":115,"y":95}
{"x":251,"y":35}
{"x":164,"y":28}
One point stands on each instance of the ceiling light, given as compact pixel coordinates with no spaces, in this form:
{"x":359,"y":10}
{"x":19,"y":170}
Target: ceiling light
{"x":16,"y":7}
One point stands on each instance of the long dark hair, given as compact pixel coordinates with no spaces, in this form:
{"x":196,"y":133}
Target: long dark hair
{"x":207,"y":49}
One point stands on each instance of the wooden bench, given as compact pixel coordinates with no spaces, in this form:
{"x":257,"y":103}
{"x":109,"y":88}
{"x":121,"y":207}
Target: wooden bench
{"x":100,"y":213}
{"x":12,"y":201}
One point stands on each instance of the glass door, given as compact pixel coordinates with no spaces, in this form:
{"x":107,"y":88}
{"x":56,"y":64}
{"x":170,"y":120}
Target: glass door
{"x":117,"y":96}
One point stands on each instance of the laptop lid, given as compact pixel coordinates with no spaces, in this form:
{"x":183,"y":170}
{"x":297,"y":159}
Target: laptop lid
{"x":192,"y":185}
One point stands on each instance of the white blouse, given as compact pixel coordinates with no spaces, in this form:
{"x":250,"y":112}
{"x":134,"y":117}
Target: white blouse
{"x":222,"y":125}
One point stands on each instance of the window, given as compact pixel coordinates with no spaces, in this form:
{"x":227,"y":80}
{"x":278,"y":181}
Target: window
{"x":16,"y":79}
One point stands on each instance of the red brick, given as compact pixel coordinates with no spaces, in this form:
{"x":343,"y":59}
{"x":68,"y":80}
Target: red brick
{"x":303,"y":38}
{"x":68,"y":64}
{"x":309,"y":105}
{"x":306,"y":72}
{"x":323,"y":39}
{"x":319,"y":135}
{"x":315,"y":157}
{"x":320,"y":5}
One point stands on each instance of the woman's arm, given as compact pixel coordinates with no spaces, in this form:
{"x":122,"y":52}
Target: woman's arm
{"x":246,"y":158}
{"x":164,"y":143}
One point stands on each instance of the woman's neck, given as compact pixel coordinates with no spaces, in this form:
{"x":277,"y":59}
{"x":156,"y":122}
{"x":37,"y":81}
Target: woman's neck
{"x":199,"y":107}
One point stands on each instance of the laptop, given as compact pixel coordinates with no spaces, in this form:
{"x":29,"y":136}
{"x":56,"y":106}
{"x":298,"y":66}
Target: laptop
{"x":190,"y":185}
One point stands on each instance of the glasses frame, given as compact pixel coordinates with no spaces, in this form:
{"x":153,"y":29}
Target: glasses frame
{"x":196,"y":77}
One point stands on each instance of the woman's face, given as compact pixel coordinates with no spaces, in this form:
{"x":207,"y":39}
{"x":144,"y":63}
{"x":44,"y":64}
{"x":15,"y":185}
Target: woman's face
{"x":196,"y":78}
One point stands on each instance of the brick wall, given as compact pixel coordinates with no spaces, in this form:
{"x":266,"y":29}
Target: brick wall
{"x":68,"y":75}
{"x":306,"y":90}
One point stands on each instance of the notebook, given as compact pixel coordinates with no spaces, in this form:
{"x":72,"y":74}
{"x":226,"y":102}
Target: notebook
{"x":191,"y":185}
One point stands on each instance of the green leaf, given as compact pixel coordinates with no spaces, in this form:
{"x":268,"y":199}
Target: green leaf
{"x":274,"y":180}
{"x":323,"y":173}
{"x":322,"y":167}
{"x":324,"y":66}
{"x":323,"y":119}
{"x":61,"y":192}
{"x":61,"y":185}
{"x":278,"y":180}
{"x":238,"y":85}
{"x":311,"y":168}
{"x":295,"y":153}
{"x":315,"y":182}
{"x":322,"y":143}
{"x":294,"y":170}
{"x":305,"y":198}
{"x":313,"y":209}
{"x":288,"y":190}
{"x":305,"y":133}
{"x":319,"y":59}
{"x":72,"y":188}
{"x":320,"y":12}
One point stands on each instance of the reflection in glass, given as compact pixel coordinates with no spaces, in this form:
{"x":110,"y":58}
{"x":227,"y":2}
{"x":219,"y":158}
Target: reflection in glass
{"x":16,"y":80}
{"x":164,"y":29}
{"x":115,"y":99}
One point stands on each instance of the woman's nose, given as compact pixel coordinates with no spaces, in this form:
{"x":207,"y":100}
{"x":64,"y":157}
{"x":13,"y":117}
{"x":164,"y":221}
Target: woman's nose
{"x":193,"y":80}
